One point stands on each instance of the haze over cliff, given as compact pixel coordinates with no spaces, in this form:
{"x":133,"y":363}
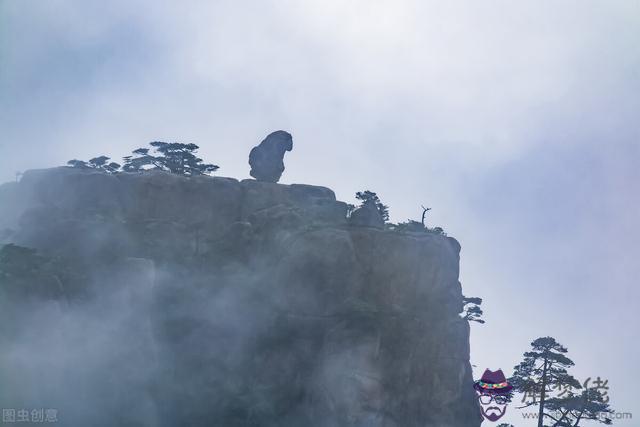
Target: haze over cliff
{"x":211,"y":301}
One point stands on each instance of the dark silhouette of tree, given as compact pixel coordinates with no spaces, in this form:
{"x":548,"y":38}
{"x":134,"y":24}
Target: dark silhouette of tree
{"x":416,"y":227}
{"x":569,"y":411}
{"x":411,"y":226}
{"x":424,"y":215}
{"x":472,"y":311}
{"x":140,"y":161}
{"x":543,"y":370}
{"x":100,"y":163}
{"x":371,"y":197}
{"x":172,"y":157}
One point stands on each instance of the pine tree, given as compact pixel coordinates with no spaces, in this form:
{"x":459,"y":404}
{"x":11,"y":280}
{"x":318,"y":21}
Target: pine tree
{"x":472,"y":311}
{"x":371,"y":197}
{"x":172,"y":157}
{"x":100,"y":163}
{"x":542,"y":370}
{"x":588,"y":405}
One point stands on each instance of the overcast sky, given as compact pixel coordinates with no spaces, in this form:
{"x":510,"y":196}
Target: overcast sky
{"x":517,"y":122}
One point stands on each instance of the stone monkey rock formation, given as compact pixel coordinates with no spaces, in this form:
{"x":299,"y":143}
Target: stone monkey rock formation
{"x":267,"y":159}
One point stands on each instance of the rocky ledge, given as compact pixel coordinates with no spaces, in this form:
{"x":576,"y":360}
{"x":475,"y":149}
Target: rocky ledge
{"x":265,"y":304}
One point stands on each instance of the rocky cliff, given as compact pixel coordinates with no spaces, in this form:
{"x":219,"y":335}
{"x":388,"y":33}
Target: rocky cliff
{"x":212,"y":301}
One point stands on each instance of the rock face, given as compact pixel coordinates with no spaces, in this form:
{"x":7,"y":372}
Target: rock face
{"x":267,"y":307}
{"x":267,"y":159}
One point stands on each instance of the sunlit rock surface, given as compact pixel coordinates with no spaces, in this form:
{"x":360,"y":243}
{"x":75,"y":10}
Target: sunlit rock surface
{"x":224,"y":303}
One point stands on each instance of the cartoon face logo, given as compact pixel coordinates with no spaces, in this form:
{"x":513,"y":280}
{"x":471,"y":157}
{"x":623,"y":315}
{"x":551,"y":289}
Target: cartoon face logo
{"x":493,"y":394}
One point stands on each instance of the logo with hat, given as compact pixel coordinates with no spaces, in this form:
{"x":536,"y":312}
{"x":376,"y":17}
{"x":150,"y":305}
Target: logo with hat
{"x":494,"y":393}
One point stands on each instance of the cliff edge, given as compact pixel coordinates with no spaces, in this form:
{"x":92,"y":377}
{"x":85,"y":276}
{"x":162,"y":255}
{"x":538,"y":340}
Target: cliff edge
{"x":242,"y":303}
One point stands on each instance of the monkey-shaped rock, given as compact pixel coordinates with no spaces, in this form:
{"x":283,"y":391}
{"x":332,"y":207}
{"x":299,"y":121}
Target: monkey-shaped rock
{"x":267,"y":159}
